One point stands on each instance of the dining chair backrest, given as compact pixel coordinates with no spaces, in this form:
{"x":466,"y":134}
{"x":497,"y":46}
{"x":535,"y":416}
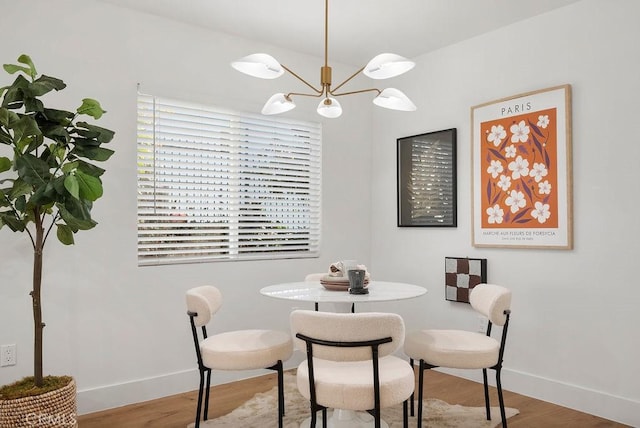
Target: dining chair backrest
{"x":347,"y":327}
{"x":492,"y":301}
{"x":205,"y":302}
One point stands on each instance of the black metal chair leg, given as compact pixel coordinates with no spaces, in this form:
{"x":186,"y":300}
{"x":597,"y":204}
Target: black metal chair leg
{"x":280,"y":394}
{"x":501,"y":399}
{"x":487,"y":404}
{"x":312,"y":424}
{"x":420,"y":388}
{"x":200,"y":390}
{"x":206,"y":395}
{"x":405,"y":415}
{"x":413,"y":367}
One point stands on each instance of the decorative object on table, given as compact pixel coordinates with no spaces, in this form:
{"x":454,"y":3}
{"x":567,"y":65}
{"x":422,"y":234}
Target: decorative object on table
{"x":338,"y":279}
{"x":522,"y":185}
{"x":382,"y":66}
{"x":356,"y":281}
{"x":257,"y":411}
{"x":462,"y":349}
{"x":427,"y":179}
{"x":461,"y":274}
{"x":49,"y":181}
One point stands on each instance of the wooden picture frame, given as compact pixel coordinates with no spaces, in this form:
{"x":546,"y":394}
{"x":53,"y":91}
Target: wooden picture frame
{"x":521,"y":171}
{"x":426,"y":179}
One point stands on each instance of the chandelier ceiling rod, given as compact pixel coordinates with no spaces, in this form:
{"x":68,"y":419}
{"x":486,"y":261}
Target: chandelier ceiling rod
{"x":380,"y":67}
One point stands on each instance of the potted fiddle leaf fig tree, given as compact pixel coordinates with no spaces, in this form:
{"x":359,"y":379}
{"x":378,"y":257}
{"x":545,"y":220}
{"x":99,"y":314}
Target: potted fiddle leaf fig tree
{"x":49,"y":181}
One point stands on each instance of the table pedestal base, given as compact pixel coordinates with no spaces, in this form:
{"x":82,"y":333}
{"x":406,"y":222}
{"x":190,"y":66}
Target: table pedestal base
{"x":340,"y":418}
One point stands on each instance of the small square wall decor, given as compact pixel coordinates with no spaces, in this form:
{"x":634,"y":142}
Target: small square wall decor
{"x":461,"y":275}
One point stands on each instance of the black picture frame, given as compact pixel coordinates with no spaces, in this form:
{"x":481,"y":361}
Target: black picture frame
{"x":427,"y":184}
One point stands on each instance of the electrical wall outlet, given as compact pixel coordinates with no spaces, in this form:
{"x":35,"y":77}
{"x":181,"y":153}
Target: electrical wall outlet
{"x":483,"y":323}
{"x":7,"y":355}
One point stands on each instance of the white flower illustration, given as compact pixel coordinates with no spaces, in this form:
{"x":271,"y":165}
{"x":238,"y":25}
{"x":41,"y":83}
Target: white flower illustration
{"x":544,"y":188}
{"x":496,"y":135}
{"x":541,"y":212}
{"x":520,"y":167}
{"x":543,"y":121}
{"x":516,"y":201}
{"x":495,"y":168}
{"x":495,"y":214}
{"x":520,"y":132}
{"x":505,"y":182}
{"x":510,"y":151}
{"x":538,"y":171}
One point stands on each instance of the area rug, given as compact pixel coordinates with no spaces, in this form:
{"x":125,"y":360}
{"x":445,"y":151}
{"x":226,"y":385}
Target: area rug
{"x":260,"y":412}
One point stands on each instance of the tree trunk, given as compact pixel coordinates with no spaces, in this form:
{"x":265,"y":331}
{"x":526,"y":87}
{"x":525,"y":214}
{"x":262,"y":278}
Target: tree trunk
{"x":35,"y":296}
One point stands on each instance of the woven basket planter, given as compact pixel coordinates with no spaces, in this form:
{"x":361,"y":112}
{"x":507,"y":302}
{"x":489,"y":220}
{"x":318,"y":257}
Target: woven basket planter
{"x":51,"y":409}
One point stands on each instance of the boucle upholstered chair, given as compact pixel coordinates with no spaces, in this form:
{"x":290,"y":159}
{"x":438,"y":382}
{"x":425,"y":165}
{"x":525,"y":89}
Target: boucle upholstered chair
{"x":349,"y":363}
{"x":464,"y":349}
{"x":233,"y":350}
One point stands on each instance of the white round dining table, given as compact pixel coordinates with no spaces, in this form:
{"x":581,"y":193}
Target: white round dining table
{"x":342,"y":301}
{"x":314,"y":291}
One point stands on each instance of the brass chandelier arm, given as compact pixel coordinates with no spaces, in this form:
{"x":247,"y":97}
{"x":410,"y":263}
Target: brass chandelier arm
{"x":304,"y":95}
{"x":348,"y":79}
{"x":356,"y":92}
{"x":318,"y":91}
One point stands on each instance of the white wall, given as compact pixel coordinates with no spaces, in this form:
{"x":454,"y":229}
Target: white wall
{"x":573,"y":338}
{"x":121,"y":330}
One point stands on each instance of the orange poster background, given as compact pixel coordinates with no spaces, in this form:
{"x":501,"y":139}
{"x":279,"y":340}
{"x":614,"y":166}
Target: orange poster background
{"x":540,"y":147}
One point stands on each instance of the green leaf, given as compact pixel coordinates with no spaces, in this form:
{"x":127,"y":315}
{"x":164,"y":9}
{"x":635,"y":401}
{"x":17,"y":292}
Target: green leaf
{"x":9,"y":218}
{"x":103,"y":135}
{"x":89,"y":168}
{"x":20,"y":188}
{"x":26,"y":59}
{"x":90,"y":187}
{"x":77,"y":217}
{"x":12,"y":69}
{"x":45,"y":84}
{"x":72,"y":186}
{"x":93,"y":153}
{"x":32,"y":170}
{"x":8,"y":117}
{"x":65,"y":234}
{"x":5,"y":164}
{"x":91,"y":107}
{"x":24,"y":127}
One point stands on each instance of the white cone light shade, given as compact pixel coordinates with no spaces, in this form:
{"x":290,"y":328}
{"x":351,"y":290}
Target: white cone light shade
{"x":278,"y":103}
{"x":331,"y":110}
{"x":259,"y":65}
{"x":387,"y":65}
{"x":394,"y":99}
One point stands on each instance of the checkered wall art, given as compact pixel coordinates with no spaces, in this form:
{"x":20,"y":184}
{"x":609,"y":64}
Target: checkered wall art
{"x":461,"y":275}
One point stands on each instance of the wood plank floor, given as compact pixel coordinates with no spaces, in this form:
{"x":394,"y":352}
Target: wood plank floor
{"x":179,"y":410}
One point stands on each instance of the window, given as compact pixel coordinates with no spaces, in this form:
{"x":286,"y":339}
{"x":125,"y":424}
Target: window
{"x":216,"y":184}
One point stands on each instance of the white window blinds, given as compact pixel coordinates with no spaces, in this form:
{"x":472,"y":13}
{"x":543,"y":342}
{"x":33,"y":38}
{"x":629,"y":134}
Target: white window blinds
{"x":215,"y":184}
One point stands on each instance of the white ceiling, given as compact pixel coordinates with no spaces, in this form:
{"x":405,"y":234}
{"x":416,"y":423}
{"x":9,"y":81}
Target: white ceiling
{"x":358,"y":29}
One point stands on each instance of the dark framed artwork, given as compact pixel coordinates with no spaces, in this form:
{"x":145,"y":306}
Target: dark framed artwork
{"x":427,"y":180}
{"x":461,"y":274}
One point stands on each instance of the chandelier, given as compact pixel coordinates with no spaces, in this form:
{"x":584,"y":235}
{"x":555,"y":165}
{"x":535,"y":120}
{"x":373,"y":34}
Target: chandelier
{"x":383,"y":66}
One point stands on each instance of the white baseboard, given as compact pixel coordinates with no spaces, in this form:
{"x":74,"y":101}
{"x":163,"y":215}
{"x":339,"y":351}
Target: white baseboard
{"x":105,"y":397}
{"x":598,"y":403}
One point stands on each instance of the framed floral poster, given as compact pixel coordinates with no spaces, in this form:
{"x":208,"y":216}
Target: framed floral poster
{"x":522,"y":187}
